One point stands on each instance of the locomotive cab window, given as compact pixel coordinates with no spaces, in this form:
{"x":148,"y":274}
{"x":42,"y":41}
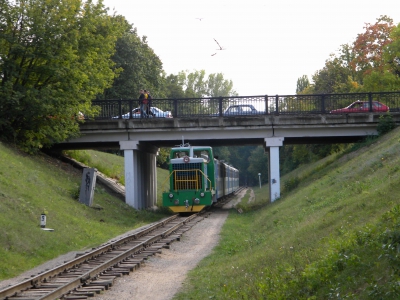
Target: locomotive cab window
{"x":181,"y":154}
{"x":203,"y":154}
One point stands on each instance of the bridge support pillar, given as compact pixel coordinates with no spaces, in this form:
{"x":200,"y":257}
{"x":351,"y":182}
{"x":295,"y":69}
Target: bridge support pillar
{"x":140,"y":175}
{"x":272,"y":145}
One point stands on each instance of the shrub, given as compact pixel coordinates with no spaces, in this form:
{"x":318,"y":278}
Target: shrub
{"x":291,"y":184}
{"x":385,"y":124}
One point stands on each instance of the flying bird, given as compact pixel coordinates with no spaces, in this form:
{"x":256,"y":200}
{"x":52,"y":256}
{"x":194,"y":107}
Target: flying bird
{"x":199,"y":19}
{"x":213,"y":54}
{"x":220,"y":48}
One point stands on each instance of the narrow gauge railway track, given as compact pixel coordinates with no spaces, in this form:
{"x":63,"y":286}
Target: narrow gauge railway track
{"x":228,"y":198}
{"x":96,"y":270}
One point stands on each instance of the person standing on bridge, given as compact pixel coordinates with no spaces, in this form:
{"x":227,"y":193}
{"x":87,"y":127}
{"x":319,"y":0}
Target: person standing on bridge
{"x":142,"y":104}
{"x":149,"y":103}
{"x":146,"y":104}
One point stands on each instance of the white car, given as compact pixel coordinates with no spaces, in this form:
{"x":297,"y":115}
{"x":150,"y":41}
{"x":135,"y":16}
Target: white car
{"x":155,"y":113}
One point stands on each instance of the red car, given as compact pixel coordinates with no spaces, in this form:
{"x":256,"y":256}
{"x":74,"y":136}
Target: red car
{"x":361,"y":106}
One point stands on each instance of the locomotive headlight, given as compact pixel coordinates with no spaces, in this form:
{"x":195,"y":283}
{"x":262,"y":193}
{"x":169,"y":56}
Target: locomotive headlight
{"x":176,"y":201}
{"x":201,"y":194}
{"x":171,"y":195}
{"x":197,"y":201}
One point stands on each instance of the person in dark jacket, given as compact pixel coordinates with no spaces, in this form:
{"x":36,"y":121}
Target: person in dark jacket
{"x":149,"y":104}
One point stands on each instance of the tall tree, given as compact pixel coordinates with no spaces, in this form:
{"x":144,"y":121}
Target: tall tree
{"x":197,"y":85}
{"x":54,"y":59}
{"x":173,"y":87}
{"x":218,"y":86}
{"x":368,"y":47}
{"x":258,"y":163}
{"x":140,"y":68}
{"x":334,"y":77}
{"x":388,"y":77}
{"x":302,"y":84}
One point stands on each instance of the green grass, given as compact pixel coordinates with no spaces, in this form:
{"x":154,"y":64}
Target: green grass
{"x":335,"y":234}
{"x":30,"y":185}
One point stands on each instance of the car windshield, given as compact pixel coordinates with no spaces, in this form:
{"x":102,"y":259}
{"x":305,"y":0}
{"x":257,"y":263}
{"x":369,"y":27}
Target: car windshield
{"x":246,"y":109}
{"x":233,"y":109}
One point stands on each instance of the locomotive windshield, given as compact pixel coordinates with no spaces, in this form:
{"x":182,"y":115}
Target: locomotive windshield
{"x":181,"y":154}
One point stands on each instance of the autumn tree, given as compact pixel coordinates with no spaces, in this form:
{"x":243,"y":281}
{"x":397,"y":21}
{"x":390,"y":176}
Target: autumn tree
{"x":387,"y":78}
{"x":369,"y":46}
{"x":54,"y":59}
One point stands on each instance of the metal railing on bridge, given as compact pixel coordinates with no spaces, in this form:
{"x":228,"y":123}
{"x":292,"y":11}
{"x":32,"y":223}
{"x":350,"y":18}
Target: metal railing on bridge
{"x":262,"y":105}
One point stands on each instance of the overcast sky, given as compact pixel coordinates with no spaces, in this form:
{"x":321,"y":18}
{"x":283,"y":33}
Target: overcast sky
{"x":268,"y":44}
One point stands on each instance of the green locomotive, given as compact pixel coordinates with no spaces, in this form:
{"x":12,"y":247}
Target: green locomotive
{"x":196,"y":179}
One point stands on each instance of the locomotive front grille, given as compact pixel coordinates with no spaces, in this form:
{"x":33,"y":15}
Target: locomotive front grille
{"x":187,"y":176}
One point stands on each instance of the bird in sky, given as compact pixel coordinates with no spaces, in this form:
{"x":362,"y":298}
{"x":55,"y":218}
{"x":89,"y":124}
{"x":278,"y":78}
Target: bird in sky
{"x":199,"y":19}
{"x":213,"y":54}
{"x":220,"y":48}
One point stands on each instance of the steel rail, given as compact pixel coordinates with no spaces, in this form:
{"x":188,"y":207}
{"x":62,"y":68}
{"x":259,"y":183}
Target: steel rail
{"x":35,"y":281}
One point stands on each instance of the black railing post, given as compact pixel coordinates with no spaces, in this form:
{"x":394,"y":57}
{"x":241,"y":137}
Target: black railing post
{"x":220,"y":106}
{"x":120,"y":108}
{"x":130,"y":108}
{"x":175,"y":113}
{"x":277,"y":105}
{"x":323,"y":104}
{"x":370,"y":101}
{"x":266,"y":104}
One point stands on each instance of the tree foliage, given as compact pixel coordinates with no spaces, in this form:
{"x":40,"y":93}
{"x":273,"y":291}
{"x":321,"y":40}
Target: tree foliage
{"x":386,"y":78}
{"x":302,"y":84}
{"x":334,"y":77}
{"x":140,"y":68}
{"x":258,"y":163}
{"x":197,"y":85}
{"x":369,"y":46}
{"x":54,"y":59}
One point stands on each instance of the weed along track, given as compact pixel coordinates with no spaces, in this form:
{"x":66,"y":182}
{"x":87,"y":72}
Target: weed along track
{"x":96,"y":270}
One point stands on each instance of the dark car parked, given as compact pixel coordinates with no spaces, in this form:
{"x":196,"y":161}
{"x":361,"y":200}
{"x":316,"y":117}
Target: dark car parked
{"x":240,"y":110}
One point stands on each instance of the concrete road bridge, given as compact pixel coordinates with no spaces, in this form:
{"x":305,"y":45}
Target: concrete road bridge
{"x":278,"y":120}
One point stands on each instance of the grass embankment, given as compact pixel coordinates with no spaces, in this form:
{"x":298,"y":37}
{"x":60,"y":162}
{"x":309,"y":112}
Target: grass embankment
{"x":334,"y":234}
{"x":30,"y":185}
{"x":113,"y":167}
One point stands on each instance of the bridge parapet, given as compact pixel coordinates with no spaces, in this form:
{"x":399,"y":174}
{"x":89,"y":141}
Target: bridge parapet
{"x":264,"y":105}
{"x":242,"y":121}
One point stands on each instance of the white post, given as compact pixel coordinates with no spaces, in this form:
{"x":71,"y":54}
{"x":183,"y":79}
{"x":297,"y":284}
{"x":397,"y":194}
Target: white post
{"x":273,"y":144}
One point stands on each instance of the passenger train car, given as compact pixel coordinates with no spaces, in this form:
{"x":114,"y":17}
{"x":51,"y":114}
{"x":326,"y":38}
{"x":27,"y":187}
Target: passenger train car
{"x":196,"y":179}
